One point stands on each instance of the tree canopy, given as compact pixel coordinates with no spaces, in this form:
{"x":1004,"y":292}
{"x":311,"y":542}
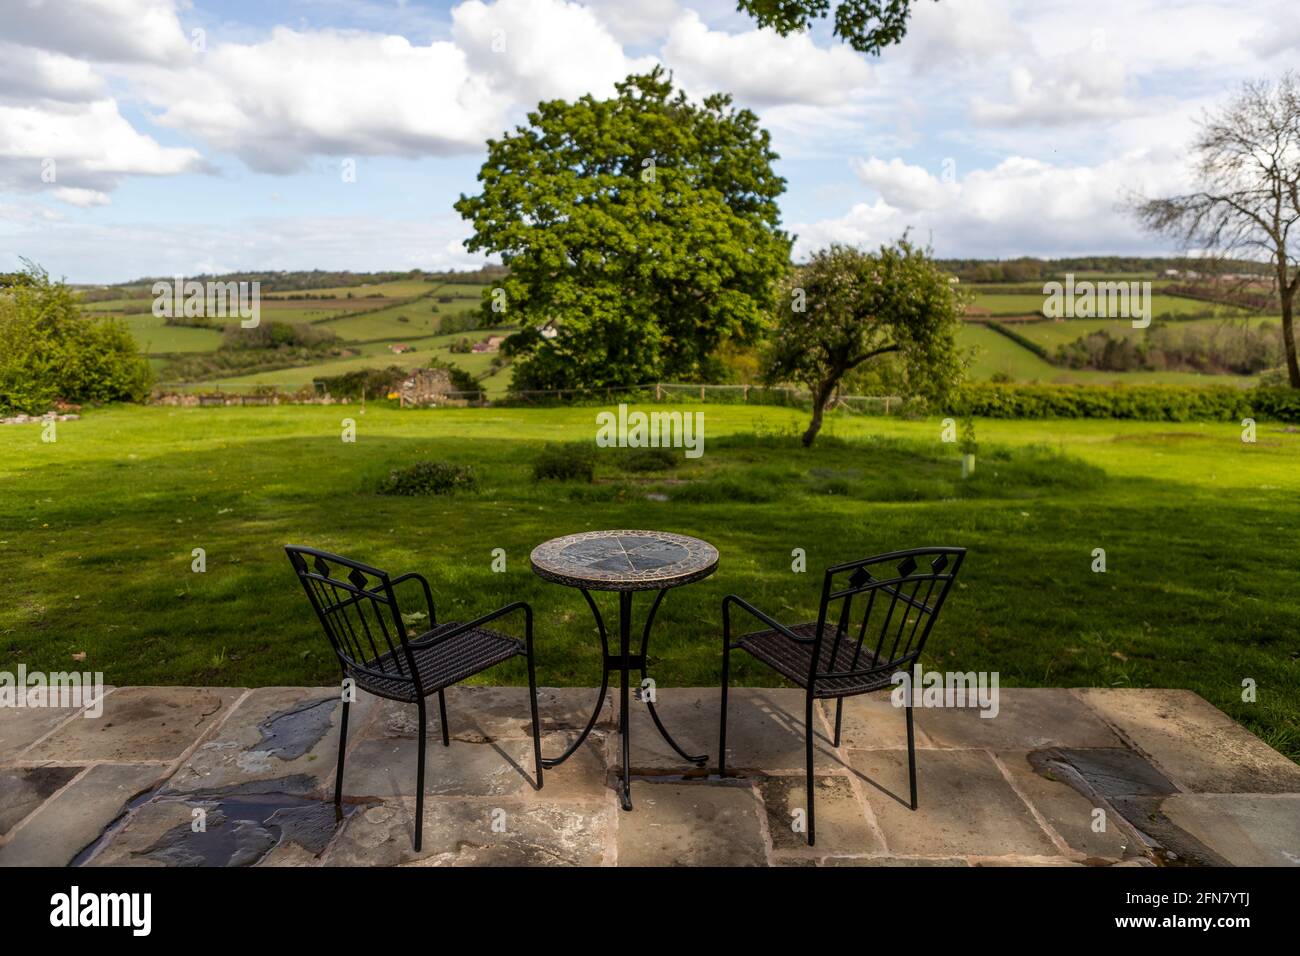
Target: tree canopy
{"x":49,"y":351}
{"x":866,"y":25}
{"x":846,"y":308}
{"x":640,"y":232}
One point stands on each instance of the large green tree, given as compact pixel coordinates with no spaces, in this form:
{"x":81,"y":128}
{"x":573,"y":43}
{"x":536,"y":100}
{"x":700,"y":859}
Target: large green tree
{"x":50,"y":351}
{"x":846,"y":308}
{"x":640,"y":232}
{"x":866,"y":25}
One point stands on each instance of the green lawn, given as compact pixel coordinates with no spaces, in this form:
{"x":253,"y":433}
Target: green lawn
{"x":1202,"y":588}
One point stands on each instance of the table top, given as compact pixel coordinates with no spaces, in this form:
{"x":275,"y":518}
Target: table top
{"x":624,"y":560}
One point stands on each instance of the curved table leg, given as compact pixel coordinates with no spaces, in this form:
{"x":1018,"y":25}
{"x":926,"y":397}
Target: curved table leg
{"x":600,"y":698}
{"x":699,"y":759}
{"x":624,"y":640}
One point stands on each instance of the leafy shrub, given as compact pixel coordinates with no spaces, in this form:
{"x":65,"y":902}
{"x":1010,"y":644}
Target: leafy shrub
{"x":649,"y":459}
{"x":374,"y":382}
{"x":275,"y":334}
{"x":50,"y":351}
{"x":429,"y":478}
{"x":568,"y":461}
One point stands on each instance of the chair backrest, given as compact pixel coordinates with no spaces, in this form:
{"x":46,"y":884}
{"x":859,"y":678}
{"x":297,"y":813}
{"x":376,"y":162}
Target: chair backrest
{"x":358,"y":610}
{"x":884,"y":605}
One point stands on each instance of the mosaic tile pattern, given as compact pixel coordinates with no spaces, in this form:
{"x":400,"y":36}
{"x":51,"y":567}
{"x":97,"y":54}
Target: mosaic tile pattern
{"x":624,"y":560}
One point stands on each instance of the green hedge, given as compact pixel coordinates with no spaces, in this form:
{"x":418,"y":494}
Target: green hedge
{"x":1168,"y":403}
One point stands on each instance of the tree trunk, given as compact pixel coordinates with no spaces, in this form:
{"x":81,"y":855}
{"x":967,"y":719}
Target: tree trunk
{"x":1288,"y":339}
{"x":820,"y":398}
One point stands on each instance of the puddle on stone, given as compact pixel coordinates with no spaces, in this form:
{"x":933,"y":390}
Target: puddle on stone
{"x":1135,"y":791}
{"x":242,"y":829}
{"x":294,"y":732}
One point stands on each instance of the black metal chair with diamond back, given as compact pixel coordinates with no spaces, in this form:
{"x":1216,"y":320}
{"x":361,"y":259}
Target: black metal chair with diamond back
{"x":358,"y":609}
{"x":832,"y":658}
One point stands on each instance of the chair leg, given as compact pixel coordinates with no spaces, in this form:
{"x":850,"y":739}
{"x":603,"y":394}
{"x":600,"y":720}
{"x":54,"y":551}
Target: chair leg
{"x":419,"y":781}
{"x":911,"y":754}
{"x":537,"y":724}
{"x":722,"y":723}
{"x":442,"y":715}
{"x":839,"y":713}
{"x":343,"y":749}
{"x":808,"y":744}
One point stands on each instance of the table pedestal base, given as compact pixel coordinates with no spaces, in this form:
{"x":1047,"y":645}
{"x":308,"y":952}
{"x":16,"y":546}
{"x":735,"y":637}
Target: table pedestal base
{"x":623,"y":662}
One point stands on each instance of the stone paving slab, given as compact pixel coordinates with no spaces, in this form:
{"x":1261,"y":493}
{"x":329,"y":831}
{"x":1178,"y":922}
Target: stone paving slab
{"x":386,"y":768}
{"x":691,"y":824}
{"x":20,"y":727}
{"x":1198,"y":746}
{"x":1172,"y":779}
{"x":841,"y":824}
{"x":476,"y":833}
{"x":1246,"y":829}
{"x":277,"y":733}
{"x":871,"y":722}
{"x":138,"y":724}
{"x":764,"y":730}
{"x":77,"y":816}
{"x":1063,"y":808}
{"x":1027,"y":718}
{"x":23,"y":790}
{"x":965,"y":805}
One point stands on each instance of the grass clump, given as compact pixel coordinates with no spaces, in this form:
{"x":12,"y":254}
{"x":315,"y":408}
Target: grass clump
{"x":566,"y":461}
{"x":429,"y":478}
{"x":649,"y":459}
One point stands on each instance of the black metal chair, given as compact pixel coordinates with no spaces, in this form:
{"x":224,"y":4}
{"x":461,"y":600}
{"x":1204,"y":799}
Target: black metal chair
{"x":825,"y":657}
{"x":358,"y":609}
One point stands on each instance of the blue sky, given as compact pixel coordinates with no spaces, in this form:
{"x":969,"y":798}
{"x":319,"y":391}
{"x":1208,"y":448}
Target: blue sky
{"x":147,"y":137}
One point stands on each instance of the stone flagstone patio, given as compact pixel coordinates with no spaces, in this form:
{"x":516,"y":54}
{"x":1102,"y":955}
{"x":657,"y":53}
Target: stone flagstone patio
{"x":1171,"y":778}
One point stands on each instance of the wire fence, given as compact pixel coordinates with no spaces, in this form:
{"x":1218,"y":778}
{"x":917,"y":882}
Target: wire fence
{"x":292,"y":393}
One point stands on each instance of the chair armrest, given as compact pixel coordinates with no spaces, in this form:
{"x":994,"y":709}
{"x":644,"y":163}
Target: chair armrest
{"x":429,"y":638}
{"x":765,"y":618}
{"x":428,"y":593}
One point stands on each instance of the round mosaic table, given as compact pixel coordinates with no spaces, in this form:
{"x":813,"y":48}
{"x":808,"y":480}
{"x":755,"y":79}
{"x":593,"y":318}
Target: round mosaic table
{"x":626,"y":562}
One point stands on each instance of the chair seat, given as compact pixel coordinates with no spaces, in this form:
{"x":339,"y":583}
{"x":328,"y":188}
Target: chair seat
{"x":792,"y":659}
{"x":441,"y":664}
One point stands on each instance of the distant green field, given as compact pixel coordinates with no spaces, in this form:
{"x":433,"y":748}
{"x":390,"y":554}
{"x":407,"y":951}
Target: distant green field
{"x":420,"y":317}
{"x":1051,"y":333}
{"x":996,"y":354}
{"x":402,"y":288}
{"x":155,"y":336}
{"x":366,"y":324}
{"x":1031,"y":302}
{"x":380,"y":355}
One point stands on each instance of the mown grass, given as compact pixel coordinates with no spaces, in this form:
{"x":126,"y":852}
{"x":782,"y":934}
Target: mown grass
{"x":1202,"y":588}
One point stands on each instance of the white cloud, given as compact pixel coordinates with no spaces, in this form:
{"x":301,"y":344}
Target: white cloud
{"x":541,"y":49}
{"x":82,"y":198}
{"x":27,"y":73}
{"x":1019,"y":206}
{"x":636,"y":21}
{"x":85,"y":146}
{"x":762,"y":68}
{"x":1083,"y":88}
{"x":960,"y":33}
{"x":104,"y":30}
{"x":298,"y":94}
{"x":903,"y":186}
